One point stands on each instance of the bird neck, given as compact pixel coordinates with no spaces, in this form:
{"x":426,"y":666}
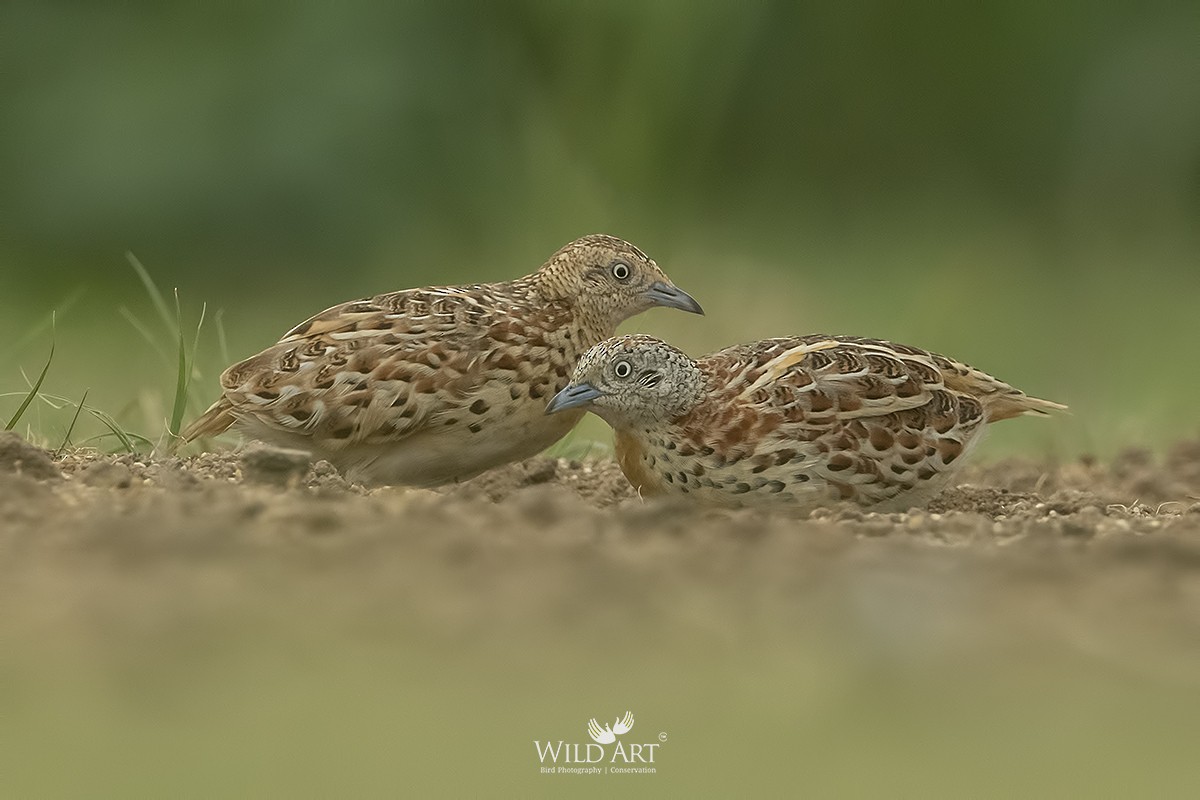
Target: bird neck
{"x":692,"y":390}
{"x":588,"y":325}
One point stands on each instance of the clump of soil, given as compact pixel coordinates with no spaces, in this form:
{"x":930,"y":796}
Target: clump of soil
{"x":19,"y":457}
{"x":274,"y":466}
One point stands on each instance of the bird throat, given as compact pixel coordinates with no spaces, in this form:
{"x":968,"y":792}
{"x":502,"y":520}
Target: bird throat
{"x":631,"y":456}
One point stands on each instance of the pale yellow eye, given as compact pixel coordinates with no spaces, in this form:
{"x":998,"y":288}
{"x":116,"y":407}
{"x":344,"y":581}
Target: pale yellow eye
{"x":621,"y":271}
{"x":622,"y":369}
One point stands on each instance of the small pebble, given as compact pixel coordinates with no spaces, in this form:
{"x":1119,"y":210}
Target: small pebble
{"x":107,"y":475}
{"x":274,"y":466}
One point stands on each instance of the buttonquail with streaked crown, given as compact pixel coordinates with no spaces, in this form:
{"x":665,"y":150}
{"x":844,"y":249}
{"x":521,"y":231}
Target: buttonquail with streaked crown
{"x":429,"y":386}
{"x":806,"y":421}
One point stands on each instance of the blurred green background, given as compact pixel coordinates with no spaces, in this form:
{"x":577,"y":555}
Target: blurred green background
{"x":1016,"y":184}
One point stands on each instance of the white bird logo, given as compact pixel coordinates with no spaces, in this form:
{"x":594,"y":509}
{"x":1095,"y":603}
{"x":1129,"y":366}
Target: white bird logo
{"x":609,"y":733}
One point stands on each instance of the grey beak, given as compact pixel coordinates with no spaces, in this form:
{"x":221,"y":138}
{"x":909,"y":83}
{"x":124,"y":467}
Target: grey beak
{"x":573,"y":397}
{"x":664,"y":294}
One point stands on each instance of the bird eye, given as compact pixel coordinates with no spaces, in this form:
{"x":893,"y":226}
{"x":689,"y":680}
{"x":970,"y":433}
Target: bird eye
{"x":622,"y":369}
{"x":621,"y":271}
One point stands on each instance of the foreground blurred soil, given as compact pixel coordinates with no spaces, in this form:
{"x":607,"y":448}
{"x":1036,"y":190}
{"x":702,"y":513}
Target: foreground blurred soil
{"x":265,"y":606}
{"x":260,"y":493}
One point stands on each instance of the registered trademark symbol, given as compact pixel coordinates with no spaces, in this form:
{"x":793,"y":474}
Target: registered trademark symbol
{"x":662,"y":737}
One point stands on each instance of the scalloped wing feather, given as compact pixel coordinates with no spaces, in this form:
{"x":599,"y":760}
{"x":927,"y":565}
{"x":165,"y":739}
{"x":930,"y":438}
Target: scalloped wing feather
{"x":858,"y":419}
{"x":433,"y":385}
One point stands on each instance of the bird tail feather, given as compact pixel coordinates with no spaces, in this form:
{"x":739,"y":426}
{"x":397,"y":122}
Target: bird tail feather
{"x":1007,"y":406}
{"x":213,"y":422}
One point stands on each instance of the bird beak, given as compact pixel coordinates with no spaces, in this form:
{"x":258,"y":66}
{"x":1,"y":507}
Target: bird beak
{"x":668,"y":296}
{"x":573,"y":397}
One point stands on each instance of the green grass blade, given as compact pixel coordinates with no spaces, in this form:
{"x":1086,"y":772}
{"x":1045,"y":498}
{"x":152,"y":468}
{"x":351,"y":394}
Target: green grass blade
{"x":186,"y":370}
{"x":99,"y":437}
{"x":50,"y":320}
{"x":156,"y":297}
{"x":111,"y":424}
{"x":181,"y":376}
{"x":196,"y":341}
{"x":71,"y":427}
{"x":127,"y":440}
{"x":33,"y":392}
{"x":222,"y":341}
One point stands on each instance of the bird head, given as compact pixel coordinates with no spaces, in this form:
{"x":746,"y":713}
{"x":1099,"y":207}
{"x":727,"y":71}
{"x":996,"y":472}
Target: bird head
{"x":609,"y":280}
{"x":633,"y":380}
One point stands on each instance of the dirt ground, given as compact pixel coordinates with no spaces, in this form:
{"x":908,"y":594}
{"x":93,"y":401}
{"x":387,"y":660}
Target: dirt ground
{"x":1136,"y":494}
{"x":1067,"y":595}
{"x":529,"y":535}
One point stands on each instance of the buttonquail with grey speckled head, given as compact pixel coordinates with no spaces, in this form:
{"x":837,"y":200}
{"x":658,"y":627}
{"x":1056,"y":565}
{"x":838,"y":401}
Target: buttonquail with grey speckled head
{"x":806,"y":421}
{"x":429,"y":386}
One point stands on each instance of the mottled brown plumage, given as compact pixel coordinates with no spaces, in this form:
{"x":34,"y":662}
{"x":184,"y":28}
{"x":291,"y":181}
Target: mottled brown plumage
{"x":806,"y":421}
{"x":429,"y":386}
